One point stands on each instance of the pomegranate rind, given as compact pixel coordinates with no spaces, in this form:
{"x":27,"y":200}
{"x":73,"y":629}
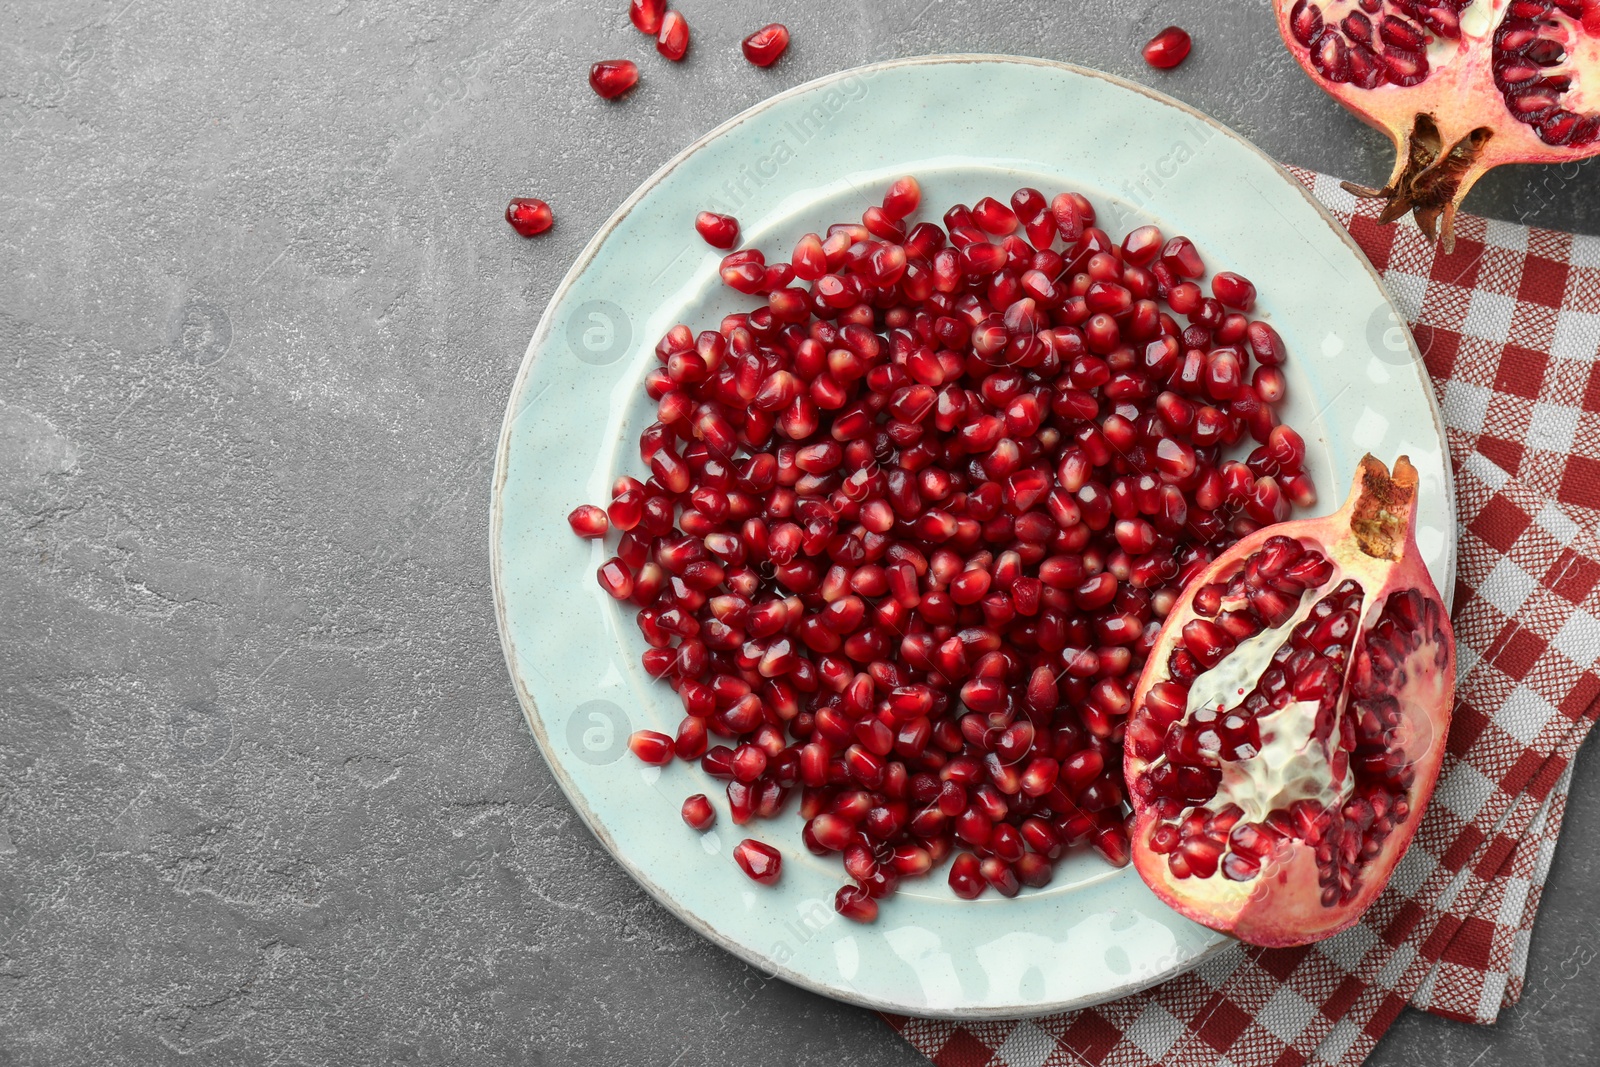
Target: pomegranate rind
{"x":1282,"y":906}
{"x":1449,"y":129}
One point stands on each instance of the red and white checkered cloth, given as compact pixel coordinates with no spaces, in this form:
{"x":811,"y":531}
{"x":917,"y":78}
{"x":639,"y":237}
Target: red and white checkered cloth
{"x":1510,"y":328}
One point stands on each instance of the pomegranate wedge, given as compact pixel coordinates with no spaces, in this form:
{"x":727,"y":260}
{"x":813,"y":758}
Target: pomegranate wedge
{"x":1460,"y":86}
{"x":1290,"y":722}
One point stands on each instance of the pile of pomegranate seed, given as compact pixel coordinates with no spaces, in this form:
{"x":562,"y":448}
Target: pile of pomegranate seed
{"x":529,"y":217}
{"x":913,"y":523}
{"x":766,"y":45}
{"x":1168,"y":48}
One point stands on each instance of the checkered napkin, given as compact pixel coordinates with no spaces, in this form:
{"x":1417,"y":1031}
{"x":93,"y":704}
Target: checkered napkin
{"x":1509,"y":325}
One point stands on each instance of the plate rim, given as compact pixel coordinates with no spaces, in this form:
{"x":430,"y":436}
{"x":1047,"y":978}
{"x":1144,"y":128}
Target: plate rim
{"x":542,"y":332}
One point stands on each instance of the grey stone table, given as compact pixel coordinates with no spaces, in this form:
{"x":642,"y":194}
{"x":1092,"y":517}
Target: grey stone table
{"x":265,"y":793}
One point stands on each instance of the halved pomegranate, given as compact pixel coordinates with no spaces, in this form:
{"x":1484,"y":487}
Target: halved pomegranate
{"x":1461,"y":86}
{"x":1289,"y":724}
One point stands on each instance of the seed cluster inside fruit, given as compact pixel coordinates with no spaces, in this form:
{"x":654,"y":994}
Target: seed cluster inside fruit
{"x":1251,"y":739}
{"x":913,"y":522}
{"x":1370,"y":43}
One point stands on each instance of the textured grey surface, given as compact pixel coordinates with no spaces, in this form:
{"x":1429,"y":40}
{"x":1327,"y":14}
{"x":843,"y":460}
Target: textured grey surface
{"x":265,"y":793}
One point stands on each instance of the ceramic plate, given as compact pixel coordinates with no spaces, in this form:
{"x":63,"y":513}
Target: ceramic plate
{"x":966,"y":126}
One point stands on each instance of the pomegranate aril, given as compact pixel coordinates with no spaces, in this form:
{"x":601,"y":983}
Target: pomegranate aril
{"x":588,"y":521}
{"x":766,"y":45}
{"x":855,"y":904}
{"x":760,"y":861}
{"x":1233,"y":290}
{"x":966,"y":876}
{"x":646,"y":15}
{"x":994,"y":217}
{"x":529,"y":216}
{"x":1168,"y":48}
{"x":651,"y":747}
{"x":719,"y":231}
{"x":698,"y":813}
{"x":613,"y":77}
{"x":673,"y":39}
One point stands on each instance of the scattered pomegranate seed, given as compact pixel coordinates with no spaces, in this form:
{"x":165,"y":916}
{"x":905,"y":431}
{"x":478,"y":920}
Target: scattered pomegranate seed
{"x":698,"y":812}
{"x":1168,"y":48}
{"x":673,"y":40}
{"x":528,"y":216}
{"x":720,"y":231}
{"x":588,"y":521}
{"x":766,"y":45}
{"x":613,"y":77}
{"x":646,"y":15}
{"x":760,"y":861}
{"x":913,"y":522}
{"x":651,"y":746}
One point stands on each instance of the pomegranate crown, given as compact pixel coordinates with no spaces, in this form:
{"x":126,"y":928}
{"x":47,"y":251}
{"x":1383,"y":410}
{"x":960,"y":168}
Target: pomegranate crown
{"x":1382,"y":508}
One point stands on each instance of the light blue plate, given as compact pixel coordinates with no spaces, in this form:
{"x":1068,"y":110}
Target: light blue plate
{"x":966,"y":126}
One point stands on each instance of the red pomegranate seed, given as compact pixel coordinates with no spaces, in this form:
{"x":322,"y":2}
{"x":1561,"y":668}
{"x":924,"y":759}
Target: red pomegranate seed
{"x":853,"y":903}
{"x":613,"y":77}
{"x":1168,"y":48}
{"x":766,"y":45}
{"x":528,"y":216}
{"x":646,"y":15}
{"x":966,"y":878}
{"x":651,"y":747}
{"x":761,"y":862}
{"x":698,"y":812}
{"x":616,"y":579}
{"x":719,"y":231}
{"x":1233,"y":290}
{"x":903,"y":197}
{"x":588,"y":521}
{"x":673,"y":39}
{"x":913,"y":519}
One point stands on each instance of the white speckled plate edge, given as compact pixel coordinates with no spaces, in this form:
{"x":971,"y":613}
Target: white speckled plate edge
{"x":1356,"y":384}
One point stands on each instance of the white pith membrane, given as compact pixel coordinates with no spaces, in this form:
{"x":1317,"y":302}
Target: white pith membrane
{"x":1292,"y":774}
{"x":1292,"y":763}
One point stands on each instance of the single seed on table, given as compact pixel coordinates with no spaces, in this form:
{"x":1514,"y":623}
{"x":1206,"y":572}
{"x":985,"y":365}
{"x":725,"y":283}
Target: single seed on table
{"x":646,"y":15}
{"x":698,"y":812}
{"x":673,"y":40}
{"x":766,"y":45}
{"x":529,"y":216}
{"x":613,"y":77}
{"x":1168,"y":48}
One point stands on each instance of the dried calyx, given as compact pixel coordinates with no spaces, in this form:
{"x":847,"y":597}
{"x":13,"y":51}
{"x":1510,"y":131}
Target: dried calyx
{"x":1461,"y":86}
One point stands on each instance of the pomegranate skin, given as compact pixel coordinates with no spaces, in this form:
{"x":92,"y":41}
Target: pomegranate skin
{"x":1285,"y":903}
{"x":1448,"y":106}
